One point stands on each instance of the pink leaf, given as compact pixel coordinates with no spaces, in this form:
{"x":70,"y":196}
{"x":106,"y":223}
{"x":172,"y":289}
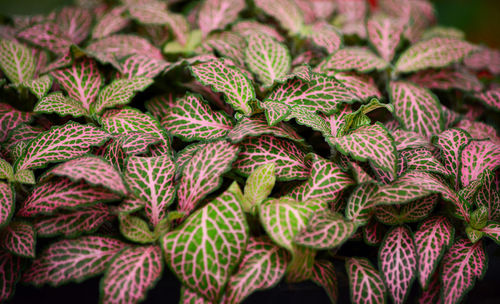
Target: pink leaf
{"x":53,"y":195}
{"x":47,"y":35}
{"x":416,"y":108}
{"x":256,"y":125}
{"x":75,"y":22}
{"x":446,"y":79}
{"x":352,"y":58}
{"x":58,"y":103}
{"x":422,"y":159}
{"x":246,"y":28}
{"x":326,"y":36}
{"x":16,"y":62}
{"x":287,"y":156}
{"x":140,"y":65}
{"x":479,"y":130}
{"x":462,"y":265}
{"x":119,"y":92}
{"x":433,"y":292}
{"x":360,"y":204}
{"x":365,"y":282}
{"x":203,"y":173}
{"x":7,"y":201}
{"x":110,"y":23}
{"x":216,"y":14}
{"x":131,"y":274}
{"x":325,"y":276}
{"x":408,"y":139}
{"x":484,"y":59}
{"x":72,"y":260}
{"x":285,"y":11}
{"x":151,"y":180}
{"x":477,"y":156}
{"x":385,"y":34}
{"x":19,"y":238}
{"x":10,"y":118}
{"x":374,"y":233}
{"x":432,"y":238}
{"x":10,"y":273}
{"x":490,"y":98}
{"x":119,"y":46}
{"x":492,"y":230}
{"x":362,"y":85}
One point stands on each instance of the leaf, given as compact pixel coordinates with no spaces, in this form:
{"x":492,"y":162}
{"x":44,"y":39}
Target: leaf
{"x":325,"y":36}
{"x":94,"y":170}
{"x":246,"y":28}
{"x":359,"y":59}
{"x":73,"y":223}
{"x":325,"y":230}
{"x":385,"y":34}
{"x":421,"y":159}
{"x":119,"y":92}
{"x":151,"y":180}
{"x":60,"y":143}
{"x":82,"y":81}
{"x":492,"y":230}
{"x":267,"y":58}
{"x":72,"y":260}
{"x":262,"y":267}
{"x":19,"y":238}
{"x":75,"y":22}
{"x":362,"y":85}
{"x":217,"y":14}
{"x":325,"y":181}
{"x":58,"y":103}
{"x":487,"y":194}
{"x":191,"y":118}
{"x":485,"y":58}
{"x":226,"y":78}
{"x":135,"y":229}
{"x":119,"y":46}
{"x":446,"y":79}
{"x":432,"y":238}
{"x":275,"y":111}
{"x":284,"y":218}
{"x":203,"y":173}
{"x":287,"y":156}
{"x":226,"y":44}
{"x":462,"y":264}
{"x":191,"y":254}
{"x":433,"y":292}
{"x":408,"y":139}
{"x":477,"y":156}
{"x":436,"y":52}
{"x":142,"y":66}
{"x":10,"y":118}
{"x":131,"y":274}
{"x":64,"y":194}
{"x":416,"y":108}
{"x":365,"y":282}
{"x":490,"y":98}
{"x":259,"y":186}
{"x":374,"y":233}
{"x":371,"y":142}
{"x":360,"y":204}
{"x":39,"y":86}
{"x":398,"y":262}
{"x":47,"y":35}
{"x":111,"y":22}
{"x":257,"y":125}
{"x":419,"y":209}
{"x":286,"y":12}
{"x":321,"y":94}
{"x":6,"y":171}
{"x":10,"y":273}
{"x":325,"y":276}
{"x":16,"y":61}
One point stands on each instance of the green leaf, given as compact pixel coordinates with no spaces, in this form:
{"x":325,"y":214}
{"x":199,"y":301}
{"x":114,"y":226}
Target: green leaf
{"x":6,"y":171}
{"x":119,"y":92}
{"x":259,"y":185}
{"x":58,"y":103}
{"x":39,"y":86}
{"x":16,"y":61}
{"x":135,"y":229}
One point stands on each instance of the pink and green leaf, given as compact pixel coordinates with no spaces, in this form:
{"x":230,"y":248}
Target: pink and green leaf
{"x":190,"y":252}
{"x":119,"y":46}
{"x":365,"y":283}
{"x":492,"y":230}
{"x":151,"y":180}
{"x":362,"y":85}
{"x":259,"y":186}
{"x":60,"y":143}
{"x":58,"y":103}
{"x":286,"y":12}
{"x":422,"y":159}
{"x":419,"y":209}
{"x":324,"y":275}
{"x":217,"y":14}
{"x":10,"y":118}
{"x":72,"y":260}
{"x":446,"y":79}
{"x":111,"y":22}
{"x":360,"y":204}
{"x":484,"y":59}
{"x":203,"y":173}
{"x":257,"y":125}
{"x":120,"y":92}
{"x":357,"y":59}
{"x":462,"y":264}
{"x":490,"y":98}
{"x":477,"y":156}
{"x":10,"y":273}
{"x":47,"y":35}
{"x":385,"y":34}
{"x":142,"y":66}
{"x":451,"y":142}
{"x":246,"y":28}
{"x":19,"y":238}
{"x":275,"y":111}
{"x":39,"y":86}
{"x":436,"y":52}
{"x":325,"y":36}
{"x":135,"y":229}
{"x":16,"y":62}
{"x":63,"y":194}
{"x":408,"y":139}
{"x":288,"y":157}
{"x":75,"y":23}
{"x":432,"y":238}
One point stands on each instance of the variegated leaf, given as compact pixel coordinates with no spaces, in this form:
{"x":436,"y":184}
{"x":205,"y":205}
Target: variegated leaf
{"x":492,"y":230}
{"x":462,"y":264}
{"x":267,"y":58}
{"x":6,"y":171}
{"x":275,"y":111}
{"x":119,"y":92}
{"x":73,"y":223}
{"x":72,"y":260}
{"x":119,"y":46}
{"x":60,"y":143}
{"x":362,"y":85}
{"x":287,"y":156}
{"x":436,"y":52}
{"x":325,"y":181}
{"x":257,"y":125}
{"x":418,"y":209}
{"x":360,"y":204}
{"x":285,"y":11}
{"x":47,"y":35}
{"x":111,"y":22}
{"x":370,"y":142}
{"x":16,"y":61}
{"x":325,"y":36}
{"x":385,"y":34}
{"x":216,"y":14}
{"x":398,"y":262}
{"x":432,"y":238}
{"x":246,"y":28}
{"x":374,"y":233}
{"x":39,"y":86}
{"x":325,"y":230}
{"x":94,"y":170}
{"x":19,"y":238}
{"x":446,"y":79}
{"x":490,"y":98}
{"x":226,"y":44}
{"x":485,"y":58}
{"x":416,"y":108}
{"x":433,"y":292}
{"x":191,"y":118}
{"x":365,"y":283}
{"x":58,"y":103}
{"x":422,"y":159}
{"x":191,"y":254}
{"x":258,"y":186}
{"x":477,"y":156}
{"x":262,"y":267}
{"x":75,"y":23}
{"x":352,"y":58}
{"x":151,"y":180}
{"x":203,"y":173}
{"x":324,"y":275}
{"x":63,"y":194}
{"x":10,"y":273}
{"x":131,"y":274}
{"x":82,"y":81}
{"x":226,"y":78}
{"x":408,"y":139}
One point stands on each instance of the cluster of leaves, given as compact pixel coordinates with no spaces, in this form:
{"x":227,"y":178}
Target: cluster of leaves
{"x":242,"y":143}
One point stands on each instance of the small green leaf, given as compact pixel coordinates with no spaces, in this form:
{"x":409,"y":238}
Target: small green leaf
{"x":135,"y":229}
{"x":259,"y":185}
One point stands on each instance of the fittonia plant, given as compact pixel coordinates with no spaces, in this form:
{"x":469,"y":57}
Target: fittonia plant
{"x":238,"y":144}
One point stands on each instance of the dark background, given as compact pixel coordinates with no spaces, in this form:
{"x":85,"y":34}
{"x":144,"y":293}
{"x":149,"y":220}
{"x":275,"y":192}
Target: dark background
{"x":479,"y":19}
